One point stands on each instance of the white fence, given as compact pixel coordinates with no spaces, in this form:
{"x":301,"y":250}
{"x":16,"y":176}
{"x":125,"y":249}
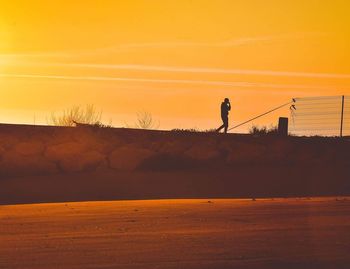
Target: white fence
{"x":323,"y":116}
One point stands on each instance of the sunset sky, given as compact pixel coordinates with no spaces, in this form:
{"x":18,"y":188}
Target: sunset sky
{"x":175,"y":59}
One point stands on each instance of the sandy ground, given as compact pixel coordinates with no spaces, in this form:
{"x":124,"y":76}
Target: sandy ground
{"x":223,"y":233}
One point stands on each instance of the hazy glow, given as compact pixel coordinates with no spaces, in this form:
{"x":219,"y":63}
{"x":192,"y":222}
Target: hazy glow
{"x":175,"y":59}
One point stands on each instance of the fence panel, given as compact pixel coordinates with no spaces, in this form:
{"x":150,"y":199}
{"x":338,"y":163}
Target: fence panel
{"x":320,"y":116}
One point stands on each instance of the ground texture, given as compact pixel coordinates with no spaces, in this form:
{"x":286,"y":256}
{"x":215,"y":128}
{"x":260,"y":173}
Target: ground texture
{"x":201,"y":233}
{"x":41,"y":164}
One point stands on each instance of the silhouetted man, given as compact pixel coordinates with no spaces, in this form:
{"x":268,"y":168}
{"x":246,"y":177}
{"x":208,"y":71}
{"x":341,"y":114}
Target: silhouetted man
{"x":225,"y":109}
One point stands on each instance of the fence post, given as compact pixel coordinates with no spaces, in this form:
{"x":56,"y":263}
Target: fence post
{"x":342,"y":116}
{"x":283,"y":126}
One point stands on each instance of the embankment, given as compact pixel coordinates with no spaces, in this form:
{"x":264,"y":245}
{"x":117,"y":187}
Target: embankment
{"x":52,"y":164}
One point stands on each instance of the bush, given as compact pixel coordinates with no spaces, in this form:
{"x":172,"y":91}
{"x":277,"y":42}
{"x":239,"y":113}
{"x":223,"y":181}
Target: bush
{"x":76,"y":114}
{"x":144,"y":120}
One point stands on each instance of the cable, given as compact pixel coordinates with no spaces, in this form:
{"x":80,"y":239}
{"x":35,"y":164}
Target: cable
{"x":272,"y":110}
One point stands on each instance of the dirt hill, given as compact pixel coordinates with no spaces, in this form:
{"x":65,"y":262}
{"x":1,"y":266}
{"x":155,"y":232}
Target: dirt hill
{"x":51,"y":164}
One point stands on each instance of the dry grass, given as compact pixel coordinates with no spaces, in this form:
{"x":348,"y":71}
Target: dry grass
{"x":76,"y":114}
{"x":263,"y":130}
{"x":144,"y":120}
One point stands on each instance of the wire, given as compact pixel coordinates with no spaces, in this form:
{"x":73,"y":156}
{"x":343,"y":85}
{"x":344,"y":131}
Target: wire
{"x":318,"y":103}
{"x":319,"y":115}
{"x":316,"y":98}
{"x":318,"y":120}
{"x":272,"y":110}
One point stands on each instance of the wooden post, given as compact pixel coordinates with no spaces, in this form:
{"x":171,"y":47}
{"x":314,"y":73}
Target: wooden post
{"x":342,"y":116}
{"x":283,"y":126}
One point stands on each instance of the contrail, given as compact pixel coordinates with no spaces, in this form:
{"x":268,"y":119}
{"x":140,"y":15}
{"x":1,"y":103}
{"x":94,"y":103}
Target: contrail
{"x":167,"y":81}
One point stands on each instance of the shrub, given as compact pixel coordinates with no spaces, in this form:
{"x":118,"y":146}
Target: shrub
{"x":144,"y":120}
{"x":76,"y":114}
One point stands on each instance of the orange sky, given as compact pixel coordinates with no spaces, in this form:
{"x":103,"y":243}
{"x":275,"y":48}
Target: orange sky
{"x":176,"y":59}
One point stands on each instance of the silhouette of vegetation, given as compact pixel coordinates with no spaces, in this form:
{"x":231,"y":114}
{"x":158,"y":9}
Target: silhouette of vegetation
{"x":144,"y":120}
{"x":211,"y":130}
{"x":190,"y":130}
{"x":194,"y":130}
{"x":97,"y":125}
{"x":87,"y":115}
{"x":256,"y":130}
{"x":102,"y":125}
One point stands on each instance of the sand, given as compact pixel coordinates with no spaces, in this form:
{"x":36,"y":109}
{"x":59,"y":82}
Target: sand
{"x":199,"y":233}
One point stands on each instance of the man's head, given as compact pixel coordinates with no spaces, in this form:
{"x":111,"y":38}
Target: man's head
{"x":227,"y":100}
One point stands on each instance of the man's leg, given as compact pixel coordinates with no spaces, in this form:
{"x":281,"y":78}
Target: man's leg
{"x":220,"y":128}
{"x":226,"y":124}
